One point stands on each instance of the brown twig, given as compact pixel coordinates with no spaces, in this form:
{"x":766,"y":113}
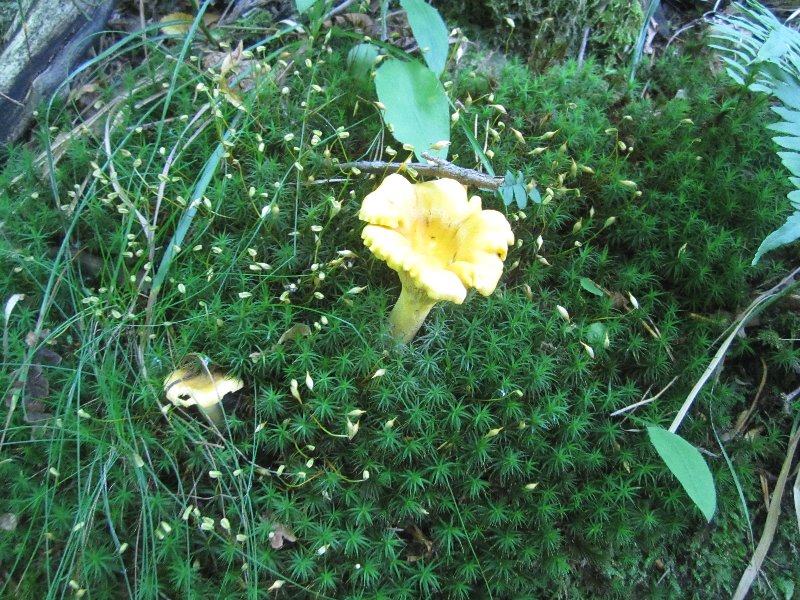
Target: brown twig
{"x":436,"y":167}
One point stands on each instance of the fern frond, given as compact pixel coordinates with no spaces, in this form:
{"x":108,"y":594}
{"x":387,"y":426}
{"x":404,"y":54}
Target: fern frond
{"x":764,"y":54}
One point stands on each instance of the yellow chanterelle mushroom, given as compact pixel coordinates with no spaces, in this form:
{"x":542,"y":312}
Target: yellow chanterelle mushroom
{"x":440,"y":243}
{"x":205,"y":390}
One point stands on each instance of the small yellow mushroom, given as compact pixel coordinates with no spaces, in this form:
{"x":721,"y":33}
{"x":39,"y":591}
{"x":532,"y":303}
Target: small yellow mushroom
{"x":205,"y":390}
{"x":439,"y":242}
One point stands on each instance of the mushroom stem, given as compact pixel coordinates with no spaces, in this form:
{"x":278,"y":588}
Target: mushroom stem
{"x":410,"y":312}
{"x":213,"y":413}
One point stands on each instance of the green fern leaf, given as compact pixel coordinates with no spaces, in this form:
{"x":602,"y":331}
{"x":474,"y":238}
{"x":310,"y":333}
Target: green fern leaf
{"x":764,"y":54}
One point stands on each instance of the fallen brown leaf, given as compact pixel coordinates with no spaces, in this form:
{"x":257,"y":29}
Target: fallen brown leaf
{"x":33,"y":387}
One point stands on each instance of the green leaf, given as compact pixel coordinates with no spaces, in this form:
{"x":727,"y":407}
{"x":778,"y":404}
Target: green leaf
{"x":507,"y":194}
{"x":416,"y":105}
{"x":785,"y":234}
{"x":775,"y":46}
{"x":591,"y":287}
{"x":521,"y":195}
{"x":429,"y":31}
{"x":791,"y":160}
{"x":786,"y":127}
{"x":788,"y":95}
{"x":304,"y":5}
{"x":794,"y":199}
{"x":793,"y":116}
{"x":688,"y":466}
{"x":790,"y":143}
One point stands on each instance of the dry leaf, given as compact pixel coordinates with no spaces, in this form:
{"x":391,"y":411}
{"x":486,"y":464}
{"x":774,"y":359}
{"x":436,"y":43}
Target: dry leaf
{"x":360,"y":22}
{"x":294,"y":332}
{"x":420,"y":537}
{"x":36,"y":386}
{"x":231,"y":60}
{"x":184,"y":23}
{"x":279,"y":534}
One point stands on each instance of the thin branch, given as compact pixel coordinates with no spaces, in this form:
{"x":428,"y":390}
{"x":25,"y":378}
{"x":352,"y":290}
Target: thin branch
{"x":10,"y":99}
{"x":438,"y":168}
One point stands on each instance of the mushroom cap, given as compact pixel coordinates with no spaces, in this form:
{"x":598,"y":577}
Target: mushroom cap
{"x":204,"y":389}
{"x":436,"y":238}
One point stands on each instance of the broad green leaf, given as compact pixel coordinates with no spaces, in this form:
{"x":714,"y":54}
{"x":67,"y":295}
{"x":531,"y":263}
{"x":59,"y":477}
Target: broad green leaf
{"x":304,"y":5}
{"x":521,"y":195}
{"x":785,"y":234}
{"x":688,"y":466}
{"x":429,"y":31}
{"x":596,"y":334}
{"x":591,"y":287}
{"x":416,"y":105}
{"x":507,"y":193}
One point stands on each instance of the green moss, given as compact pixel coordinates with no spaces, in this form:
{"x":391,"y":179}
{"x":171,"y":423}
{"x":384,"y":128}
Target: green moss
{"x":487,"y":459}
{"x":546,"y":33}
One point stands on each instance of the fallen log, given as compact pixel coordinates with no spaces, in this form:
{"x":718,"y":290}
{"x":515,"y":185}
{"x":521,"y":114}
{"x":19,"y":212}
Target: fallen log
{"x":43,"y":46}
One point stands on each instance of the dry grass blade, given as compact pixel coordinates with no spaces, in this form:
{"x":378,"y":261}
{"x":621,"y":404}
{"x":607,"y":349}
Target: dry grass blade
{"x":121,"y":193}
{"x":645,"y":400}
{"x":755,"y":307}
{"x":744,"y":418}
{"x":796,"y":494}
{"x":771,"y":524}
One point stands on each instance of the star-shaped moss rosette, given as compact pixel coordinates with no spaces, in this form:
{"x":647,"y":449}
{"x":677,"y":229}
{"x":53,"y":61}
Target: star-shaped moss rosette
{"x":440,"y":243}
